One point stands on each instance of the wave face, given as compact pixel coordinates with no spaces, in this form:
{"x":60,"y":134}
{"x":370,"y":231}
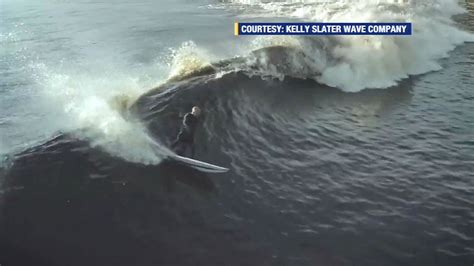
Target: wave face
{"x":353,"y":63}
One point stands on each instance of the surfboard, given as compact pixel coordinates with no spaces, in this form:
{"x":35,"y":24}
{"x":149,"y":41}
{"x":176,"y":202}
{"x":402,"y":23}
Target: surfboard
{"x":199,"y":165}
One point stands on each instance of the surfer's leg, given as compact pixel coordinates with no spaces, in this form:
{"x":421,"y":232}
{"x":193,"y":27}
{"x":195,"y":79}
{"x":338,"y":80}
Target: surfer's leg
{"x":192,"y":150}
{"x":186,"y":150}
{"x":179,"y":148}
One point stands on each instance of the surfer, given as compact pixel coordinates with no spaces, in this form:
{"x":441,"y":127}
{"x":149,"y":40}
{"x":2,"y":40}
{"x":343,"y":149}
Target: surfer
{"x":185,"y":139}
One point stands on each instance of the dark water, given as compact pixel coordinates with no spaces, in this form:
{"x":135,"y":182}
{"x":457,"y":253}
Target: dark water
{"x":318,"y":177}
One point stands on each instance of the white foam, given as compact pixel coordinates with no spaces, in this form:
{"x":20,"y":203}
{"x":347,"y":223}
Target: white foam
{"x":186,"y":59}
{"x":95,"y":103}
{"x":353,"y":63}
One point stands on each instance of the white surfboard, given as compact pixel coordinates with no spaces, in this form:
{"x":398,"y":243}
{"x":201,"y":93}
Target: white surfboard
{"x":198,"y":165}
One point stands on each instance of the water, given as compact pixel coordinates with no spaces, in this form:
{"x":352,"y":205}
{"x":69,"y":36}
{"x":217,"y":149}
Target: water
{"x":343,"y":151}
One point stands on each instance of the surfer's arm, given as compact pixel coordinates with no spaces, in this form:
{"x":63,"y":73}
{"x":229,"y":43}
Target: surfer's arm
{"x":185,"y":119}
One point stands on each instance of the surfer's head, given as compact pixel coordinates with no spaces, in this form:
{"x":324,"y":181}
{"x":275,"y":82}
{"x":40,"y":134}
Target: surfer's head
{"x":196,"y":111}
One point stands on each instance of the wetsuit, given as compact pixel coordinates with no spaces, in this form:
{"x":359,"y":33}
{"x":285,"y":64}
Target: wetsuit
{"x":185,"y":139}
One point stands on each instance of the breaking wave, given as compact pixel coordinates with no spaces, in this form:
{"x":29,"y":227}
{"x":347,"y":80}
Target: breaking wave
{"x":353,"y":63}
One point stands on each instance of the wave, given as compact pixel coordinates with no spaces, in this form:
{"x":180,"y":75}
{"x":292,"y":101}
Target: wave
{"x":99,"y":102}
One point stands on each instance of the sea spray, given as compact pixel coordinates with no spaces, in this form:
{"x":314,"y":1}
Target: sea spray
{"x":95,"y":108}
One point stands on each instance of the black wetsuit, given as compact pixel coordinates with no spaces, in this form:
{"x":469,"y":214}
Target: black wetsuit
{"x":185,"y":139}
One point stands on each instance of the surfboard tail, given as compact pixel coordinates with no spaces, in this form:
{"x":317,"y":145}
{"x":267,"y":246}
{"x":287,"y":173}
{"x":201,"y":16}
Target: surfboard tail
{"x":199,"y":165}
